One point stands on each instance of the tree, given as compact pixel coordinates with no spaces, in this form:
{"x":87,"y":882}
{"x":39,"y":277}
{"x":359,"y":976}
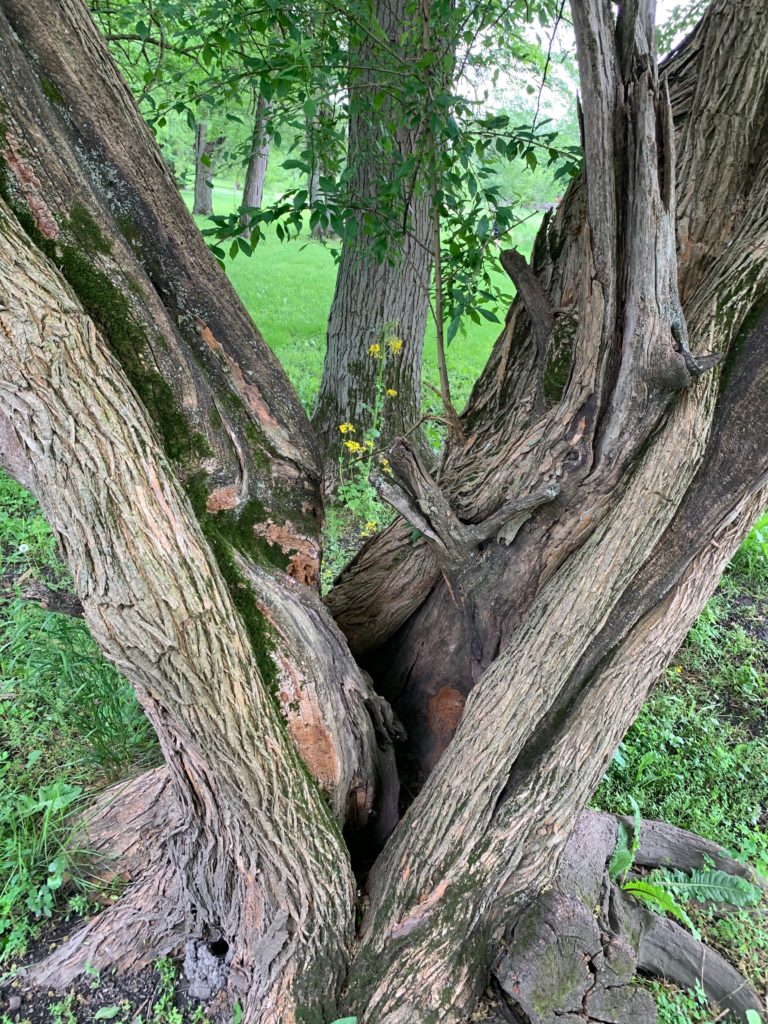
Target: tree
{"x":258,"y":158}
{"x":613,"y":455}
{"x":205,"y":162}
{"x":384,"y":296}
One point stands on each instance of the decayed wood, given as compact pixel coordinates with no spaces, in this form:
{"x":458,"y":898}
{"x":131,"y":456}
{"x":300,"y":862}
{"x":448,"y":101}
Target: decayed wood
{"x":259,"y":859}
{"x":577,"y":948}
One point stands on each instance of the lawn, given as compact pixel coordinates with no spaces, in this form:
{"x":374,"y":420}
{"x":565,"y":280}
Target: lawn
{"x":288,"y":289}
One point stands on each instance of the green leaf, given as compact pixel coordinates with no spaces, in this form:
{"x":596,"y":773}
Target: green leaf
{"x":106,"y":1013}
{"x":345,"y":1020}
{"x":660,"y":901}
{"x":624,"y":854}
{"x":753,"y":1017}
{"x":710,"y":887}
{"x":237,"y":1013}
{"x":310,"y":109}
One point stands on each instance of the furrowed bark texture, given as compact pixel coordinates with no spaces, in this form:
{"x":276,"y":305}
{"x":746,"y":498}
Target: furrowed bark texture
{"x":81,"y":170}
{"x":376,"y":302}
{"x":534,"y":421}
{"x":566,"y":622}
{"x":259,"y":858}
{"x":253,"y":190}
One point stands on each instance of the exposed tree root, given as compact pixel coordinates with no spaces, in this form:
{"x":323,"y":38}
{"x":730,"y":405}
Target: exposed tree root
{"x":574,"y":953}
{"x":125,"y":835}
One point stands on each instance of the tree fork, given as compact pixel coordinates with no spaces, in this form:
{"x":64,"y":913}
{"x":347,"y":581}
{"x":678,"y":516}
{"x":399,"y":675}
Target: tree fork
{"x":81,"y":169}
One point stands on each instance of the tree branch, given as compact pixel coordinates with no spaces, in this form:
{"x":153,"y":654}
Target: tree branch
{"x":532,"y":295}
{"x":415,"y":495}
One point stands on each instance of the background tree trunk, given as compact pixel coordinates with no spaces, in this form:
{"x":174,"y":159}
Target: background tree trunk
{"x":253,"y":191}
{"x":205,"y":159}
{"x":377,"y":299}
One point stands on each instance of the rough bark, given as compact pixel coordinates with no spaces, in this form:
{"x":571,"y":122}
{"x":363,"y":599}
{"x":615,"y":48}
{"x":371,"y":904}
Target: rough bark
{"x":589,"y":601}
{"x":258,"y":856}
{"x":377,"y":301}
{"x":531,"y":421}
{"x":253,"y":190}
{"x":205,"y":162}
{"x":81,"y":169}
{"x":574,"y":953}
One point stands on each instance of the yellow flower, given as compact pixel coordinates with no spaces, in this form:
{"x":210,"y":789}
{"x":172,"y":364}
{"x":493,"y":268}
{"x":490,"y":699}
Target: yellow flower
{"x":395,"y":345}
{"x":391,"y":393}
{"x":346,"y":428}
{"x":374,"y":350}
{"x":370,"y":528}
{"x":385,"y":466}
{"x":353,"y":446}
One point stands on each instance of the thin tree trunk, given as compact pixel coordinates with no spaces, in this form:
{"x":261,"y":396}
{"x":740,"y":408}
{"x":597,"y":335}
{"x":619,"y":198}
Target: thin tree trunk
{"x":318,"y":140}
{"x":377,"y":302}
{"x":253,"y":191}
{"x":205,"y":153}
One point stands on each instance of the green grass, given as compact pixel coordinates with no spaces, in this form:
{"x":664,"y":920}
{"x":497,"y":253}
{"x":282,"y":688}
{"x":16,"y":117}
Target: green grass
{"x":69,"y":724}
{"x":697,"y":755}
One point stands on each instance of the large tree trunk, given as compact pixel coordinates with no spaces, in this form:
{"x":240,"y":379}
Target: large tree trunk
{"x":541,"y":645}
{"x":205,"y":159}
{"x":80,"y":169}
{"x":377,"y":300}
{"x":253,"y":191}
{"x":258,"y":855}
{"x":602,"y":483}
{"x":219,"y":399}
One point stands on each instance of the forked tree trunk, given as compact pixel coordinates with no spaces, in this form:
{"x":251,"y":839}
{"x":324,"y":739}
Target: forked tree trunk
{"x":603,"y":483}
{"x":253,"y":191}
{"x":205,"y":160}
{"x":378,"y":301}
{"x":541,"y":645}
